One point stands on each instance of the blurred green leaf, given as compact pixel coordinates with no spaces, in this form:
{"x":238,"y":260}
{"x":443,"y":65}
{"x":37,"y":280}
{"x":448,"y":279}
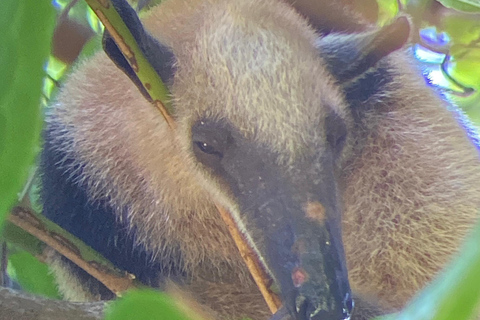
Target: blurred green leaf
{"x":32,"y":275}
{"x":93,"y":46}
{"x":81,"y":13}
{"x":387,"y":9}
{"x":465,"y":49}
{"x":26,"y":29}
{"x":20,"y":240}
{"x":462,"y":5}
{"x":463,"y":30}
{"x":143,"y":305}
{"x":466,"y":68}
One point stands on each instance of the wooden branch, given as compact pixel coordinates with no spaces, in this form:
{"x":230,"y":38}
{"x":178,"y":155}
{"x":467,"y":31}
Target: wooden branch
{"x":259,"y":275}
{"x":125,"y":41}
{"x":102,"y":271}
{"x":27,"y":220}
{"x":21,"y":306}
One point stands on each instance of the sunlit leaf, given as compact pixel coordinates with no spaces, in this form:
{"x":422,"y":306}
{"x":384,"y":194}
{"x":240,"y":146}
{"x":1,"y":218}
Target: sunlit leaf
{"x":145,"y":304}
{"x":387,"y":9}
{"x":32,"y":275}
{"x":26,"y":29}
{"x":466,"y":68}
{"x":462,"y":29}
{"x":462,"y":5}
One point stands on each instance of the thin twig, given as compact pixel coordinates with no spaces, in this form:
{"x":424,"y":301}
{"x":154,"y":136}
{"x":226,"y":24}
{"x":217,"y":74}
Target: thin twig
{"x":105,"y":11}
{"x":26,"y":220}
{"x":259,"y":275}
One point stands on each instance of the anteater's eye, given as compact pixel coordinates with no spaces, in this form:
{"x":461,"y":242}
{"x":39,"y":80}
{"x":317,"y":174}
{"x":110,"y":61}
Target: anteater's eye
{"x":208,"y":148}
{"x":211,"y":139}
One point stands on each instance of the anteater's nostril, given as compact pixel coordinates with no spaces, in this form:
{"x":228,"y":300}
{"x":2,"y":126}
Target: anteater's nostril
{"x":301,"y":307}
{"x":306,"y":310}
{"x":312,"y":312}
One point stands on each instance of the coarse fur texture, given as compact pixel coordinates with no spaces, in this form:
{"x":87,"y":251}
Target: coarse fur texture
{"x":408,"y":173}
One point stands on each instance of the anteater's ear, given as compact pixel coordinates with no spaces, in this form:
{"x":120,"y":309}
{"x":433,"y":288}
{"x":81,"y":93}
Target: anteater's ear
{"x":328,"y":16}
{"x":158,"y":55}
{"x":348,"y":56}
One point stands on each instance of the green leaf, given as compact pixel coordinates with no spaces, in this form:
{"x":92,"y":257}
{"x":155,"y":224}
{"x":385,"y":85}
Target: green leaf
{"x":466,"y":68}
{"x":387,"y":9}
{"x":26,"y":29}
{"x":81,"y":13}
{"x":462,"y":29}
{"x":144,"y":304}
{"x":462,"y":5}
{"x":19,"y":239}
{"x":32,"y":275}
{"x":90,"y":48}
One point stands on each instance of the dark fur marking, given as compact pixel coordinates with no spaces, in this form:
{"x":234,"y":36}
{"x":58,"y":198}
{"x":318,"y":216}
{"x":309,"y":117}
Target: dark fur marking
{"x":369,"y":84}
{"x":272,"y":199}
{"x":364,"y":88}
{"x":158,"y":55}
{"x":350,"y":56}
{"x":66,"y":202}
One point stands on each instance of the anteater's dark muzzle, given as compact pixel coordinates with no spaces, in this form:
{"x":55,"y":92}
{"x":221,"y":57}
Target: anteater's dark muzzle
{"x":292,"y":216}
{"x":304,"y":252}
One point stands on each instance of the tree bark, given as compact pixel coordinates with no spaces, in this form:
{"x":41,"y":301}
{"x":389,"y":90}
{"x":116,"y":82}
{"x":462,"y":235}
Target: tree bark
{"x":15,"y":305}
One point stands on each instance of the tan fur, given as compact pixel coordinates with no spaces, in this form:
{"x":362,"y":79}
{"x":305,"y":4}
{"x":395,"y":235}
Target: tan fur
{"x":69,"y":286}
{"x":411,"y":191}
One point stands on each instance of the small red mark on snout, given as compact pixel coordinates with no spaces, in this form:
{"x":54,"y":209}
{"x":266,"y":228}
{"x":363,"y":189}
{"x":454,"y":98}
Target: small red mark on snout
{"x":299,"y":276}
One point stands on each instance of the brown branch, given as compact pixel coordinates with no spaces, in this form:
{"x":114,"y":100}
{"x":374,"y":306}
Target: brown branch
{"x":21,"y":306}
{"x":126,"y":43}
{"x":259,"y":275}
{"x":26,"y":220}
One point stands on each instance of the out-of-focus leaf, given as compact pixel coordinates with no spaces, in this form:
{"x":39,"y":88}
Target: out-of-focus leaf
{"x":465,"y":49}
{"x":26,"y":29}
{"x":55,"y":69}
{"x":466,"y":68}
{"x":80,"y":12}
{"x":143,"y":305}
{"x":32,"y":275}
{"x":387,"y":9}
{"x":91,"y":47}
{"x":19,"y":240}
{"x":462,"y":30}
{"x":462,"y":5}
